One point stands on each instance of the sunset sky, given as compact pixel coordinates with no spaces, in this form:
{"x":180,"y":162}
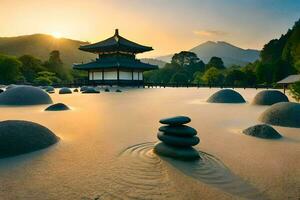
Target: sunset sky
{"x":166,"y":25}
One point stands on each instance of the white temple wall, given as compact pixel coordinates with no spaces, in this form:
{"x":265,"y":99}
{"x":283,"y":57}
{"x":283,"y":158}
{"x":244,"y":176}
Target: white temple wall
{"x":125,"y":75}
{"x":110,"y":75}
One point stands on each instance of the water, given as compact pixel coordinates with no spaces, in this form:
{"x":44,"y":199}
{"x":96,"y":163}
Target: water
{"x":106,"y":144}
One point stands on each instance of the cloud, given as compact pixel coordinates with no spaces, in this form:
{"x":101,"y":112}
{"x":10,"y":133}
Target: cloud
{"x":209,"y":33}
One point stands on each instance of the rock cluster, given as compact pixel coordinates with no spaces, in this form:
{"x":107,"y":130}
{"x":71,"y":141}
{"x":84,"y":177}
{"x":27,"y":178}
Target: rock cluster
{"x":57,"y":107}
{"x":226,"y":96}
{"x":262,"y":131}
{"x":24,"y":95}
{"x":65,"y":90}
{"x":19,"y":137}
{"x":177,"y":139}
{"x":282,"y":114}
{"x":269,"y":97}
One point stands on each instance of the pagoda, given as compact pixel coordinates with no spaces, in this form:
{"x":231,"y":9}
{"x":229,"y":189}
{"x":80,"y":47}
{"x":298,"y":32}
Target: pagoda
{"x":116,"y":63}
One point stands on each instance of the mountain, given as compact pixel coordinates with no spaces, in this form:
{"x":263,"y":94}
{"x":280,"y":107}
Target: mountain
{"x":230,"y":54}
{"x":40,"y":45}
{"x":154,"y":61}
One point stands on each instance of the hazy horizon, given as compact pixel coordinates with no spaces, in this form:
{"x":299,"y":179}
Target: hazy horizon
{"x":167,"y":26}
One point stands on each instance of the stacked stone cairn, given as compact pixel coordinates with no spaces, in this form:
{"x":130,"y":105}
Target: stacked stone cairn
{"x":177,"y":139}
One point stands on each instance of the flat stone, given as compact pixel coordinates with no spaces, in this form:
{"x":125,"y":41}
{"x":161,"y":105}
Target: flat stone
{"x":57,"y":107}
{"x":180,"y":130}
{"x":178,"y":141}
{"x":262,"y":131}
{"x":174,"y":121}
{"x":186,"y":153}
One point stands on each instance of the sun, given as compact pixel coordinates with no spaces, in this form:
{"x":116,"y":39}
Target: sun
{"x":56,"y":34}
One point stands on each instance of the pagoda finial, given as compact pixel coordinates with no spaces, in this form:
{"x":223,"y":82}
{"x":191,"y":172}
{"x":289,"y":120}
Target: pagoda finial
{"x":117,"y":32}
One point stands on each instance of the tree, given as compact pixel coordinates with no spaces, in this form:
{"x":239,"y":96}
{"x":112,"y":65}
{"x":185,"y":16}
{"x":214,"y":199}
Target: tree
{"x":185,"y":58}
{"x":55,"y":64}
{"x":9,"y":69}
{"x":179,"y":78}
{"x":235,"y":77}
{"x":46,"y":78}
{"x":215,"y":62}
{"x":30,"y":67}
{"x":295,"y":90}
{"x":213,"y":76}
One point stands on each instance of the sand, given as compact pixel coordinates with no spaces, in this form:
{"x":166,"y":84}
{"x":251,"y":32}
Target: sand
{"x":106,"y":150}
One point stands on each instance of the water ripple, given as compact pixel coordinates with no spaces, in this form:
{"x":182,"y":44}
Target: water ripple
{"x":144,"y":175}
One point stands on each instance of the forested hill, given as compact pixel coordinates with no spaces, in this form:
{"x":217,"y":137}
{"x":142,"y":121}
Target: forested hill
{"x":40,"y":45}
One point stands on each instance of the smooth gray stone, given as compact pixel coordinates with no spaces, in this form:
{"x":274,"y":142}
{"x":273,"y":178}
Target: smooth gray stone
{"x":65,"y":90}
{"x":226,"y":96}
{"x":19,"y":137}
{"x":83,"y":88}
{"x":186,"y":153}
{"x":24,"y":95}
{"x":178,"y":120}
{"x":282,"y":114}
{"x":269,"y":97}
{"x":262,"y":131}
{"x":90,"y":90}
{"x":181,"y":130}
{"x":178,"y":141}
{"x":57,"y":107}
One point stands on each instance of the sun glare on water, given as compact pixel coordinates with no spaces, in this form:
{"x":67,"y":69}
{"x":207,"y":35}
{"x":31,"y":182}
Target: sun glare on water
{"x":56,"y":35}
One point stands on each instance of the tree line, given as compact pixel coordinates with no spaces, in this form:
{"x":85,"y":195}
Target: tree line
{"x":27,"y":69}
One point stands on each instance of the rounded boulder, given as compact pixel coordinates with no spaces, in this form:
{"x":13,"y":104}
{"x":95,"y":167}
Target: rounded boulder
{"x":282,"y":114}
{"x":19,"y":137}
{"x":65,"y":90}
{"x":226,"y":96}
{"x":24,"y":95}
{"x":269,"y":97}
{"x":262,"y":131}
{"x":57,"y":107}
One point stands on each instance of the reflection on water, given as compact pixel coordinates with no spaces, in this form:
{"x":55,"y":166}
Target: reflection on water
{"x":146,"y":166}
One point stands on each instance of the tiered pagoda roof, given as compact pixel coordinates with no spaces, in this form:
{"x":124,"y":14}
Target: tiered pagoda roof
{"x":115,"y":52}
{"x":115,"y":43}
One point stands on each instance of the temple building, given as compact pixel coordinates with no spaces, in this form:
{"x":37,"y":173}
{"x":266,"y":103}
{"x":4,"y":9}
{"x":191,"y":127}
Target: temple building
{"x":116,"y":63}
